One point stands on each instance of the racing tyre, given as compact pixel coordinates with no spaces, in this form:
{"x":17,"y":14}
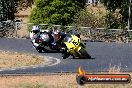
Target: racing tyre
{"x":84,"y":53}
{"x":39,"y":49}
{"x":65,"y":55}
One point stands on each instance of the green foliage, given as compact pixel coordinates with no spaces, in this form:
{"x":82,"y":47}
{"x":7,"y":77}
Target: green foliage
{"x":111,"y":21}
{"x":56,"y":11}
{"x":122,"y":6}
{"x":9,"y":7}
{"x":6,"y":10}
{"x":112,"y":5}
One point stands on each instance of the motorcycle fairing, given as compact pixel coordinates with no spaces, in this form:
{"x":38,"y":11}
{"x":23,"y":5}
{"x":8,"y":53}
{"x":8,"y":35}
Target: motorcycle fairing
{"x":73,"y":44}
{"x":44,"y":37}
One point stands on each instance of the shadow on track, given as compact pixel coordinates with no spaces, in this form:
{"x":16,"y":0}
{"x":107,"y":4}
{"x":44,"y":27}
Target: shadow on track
{"x":81,"y":58}
{"x":50,"y":52}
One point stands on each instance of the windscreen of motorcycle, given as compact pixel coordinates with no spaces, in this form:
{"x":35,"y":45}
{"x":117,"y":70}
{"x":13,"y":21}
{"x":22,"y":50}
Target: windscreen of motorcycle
{"x":45,"y":37}
{"x":68,"y":38}
{"x":71,"y":41}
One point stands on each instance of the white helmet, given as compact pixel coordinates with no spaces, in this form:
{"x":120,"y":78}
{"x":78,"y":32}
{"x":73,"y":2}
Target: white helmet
{"x":35,"y":29}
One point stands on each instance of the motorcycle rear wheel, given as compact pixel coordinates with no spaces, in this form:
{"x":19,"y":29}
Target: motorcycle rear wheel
{"x":39,"y":49}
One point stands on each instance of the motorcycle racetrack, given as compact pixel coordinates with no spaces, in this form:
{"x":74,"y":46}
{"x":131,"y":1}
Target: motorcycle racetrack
{"x":106,"y":55}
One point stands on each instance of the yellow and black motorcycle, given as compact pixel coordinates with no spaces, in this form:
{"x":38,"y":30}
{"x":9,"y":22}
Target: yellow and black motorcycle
{"x":74,"y":47}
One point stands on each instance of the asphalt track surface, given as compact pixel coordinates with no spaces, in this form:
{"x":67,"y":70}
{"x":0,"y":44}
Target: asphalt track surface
{"x":105,"y":54}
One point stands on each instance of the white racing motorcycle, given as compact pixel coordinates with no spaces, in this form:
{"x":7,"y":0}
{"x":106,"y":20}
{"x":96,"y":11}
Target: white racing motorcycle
{"x":45,"y":43}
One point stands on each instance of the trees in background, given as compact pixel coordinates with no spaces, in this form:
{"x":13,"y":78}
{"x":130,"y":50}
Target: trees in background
{"x":7,"y":10}
{"x":23,"y":4}
{"x":64,"y":12}
{"x":87,"y":18}
{"x":115,"y":20}
{"x":9,"y":7}
{"x":56,"y":11}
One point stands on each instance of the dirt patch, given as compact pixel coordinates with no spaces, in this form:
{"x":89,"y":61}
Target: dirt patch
{"x":15,"y":59}
{"x":51,"y":81}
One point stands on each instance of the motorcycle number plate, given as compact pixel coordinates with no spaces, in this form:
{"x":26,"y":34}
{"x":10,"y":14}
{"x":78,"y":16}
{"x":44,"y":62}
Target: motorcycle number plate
{"x":75,"y":42}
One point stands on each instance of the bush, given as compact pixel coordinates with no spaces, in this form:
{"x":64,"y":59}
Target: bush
{"x":88,"y":19}
{"x":55,"y":11}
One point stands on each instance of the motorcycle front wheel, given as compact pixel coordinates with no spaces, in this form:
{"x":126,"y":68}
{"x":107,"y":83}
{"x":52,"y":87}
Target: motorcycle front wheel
{"x":84,"y":53}
{"x":39,"y":49}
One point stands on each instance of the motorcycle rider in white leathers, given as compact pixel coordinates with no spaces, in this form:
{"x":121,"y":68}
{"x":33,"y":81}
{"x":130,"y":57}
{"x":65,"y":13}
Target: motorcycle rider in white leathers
{"x":34,"y":35}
